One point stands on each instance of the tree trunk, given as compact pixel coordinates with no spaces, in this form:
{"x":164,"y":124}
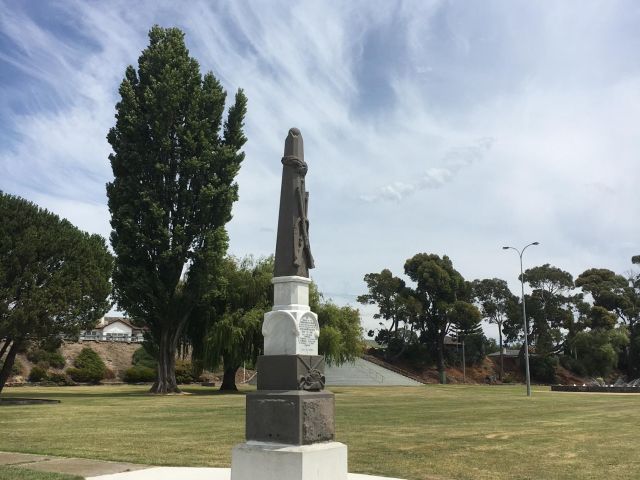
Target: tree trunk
{"x":8,"y":365}
{"x":229,"y":379}
{"x":441,"y":373}
{"x":166,"y":380}
{"x":501,"y":355}
{"x":7,"y":342}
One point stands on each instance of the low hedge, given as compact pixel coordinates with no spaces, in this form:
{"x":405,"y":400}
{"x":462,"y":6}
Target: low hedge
{"x":139,"y":374}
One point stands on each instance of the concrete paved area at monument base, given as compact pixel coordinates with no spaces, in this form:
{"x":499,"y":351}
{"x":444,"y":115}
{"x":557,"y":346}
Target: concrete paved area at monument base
{"x":102,"y":470}
{"x":185,"y":473}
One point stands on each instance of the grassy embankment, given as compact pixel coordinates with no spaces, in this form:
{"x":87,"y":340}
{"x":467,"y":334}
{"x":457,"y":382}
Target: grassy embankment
{"x":427,"y":432}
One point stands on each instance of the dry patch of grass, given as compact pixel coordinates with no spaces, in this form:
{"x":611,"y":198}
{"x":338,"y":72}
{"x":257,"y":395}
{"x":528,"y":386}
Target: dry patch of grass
{"x":426,"y":432}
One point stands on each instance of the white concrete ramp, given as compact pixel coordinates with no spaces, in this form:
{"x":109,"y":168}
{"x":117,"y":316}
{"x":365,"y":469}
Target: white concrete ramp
{"x":365,"y":373}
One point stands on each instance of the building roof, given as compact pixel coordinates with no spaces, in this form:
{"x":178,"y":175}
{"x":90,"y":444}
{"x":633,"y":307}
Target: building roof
{"x":106,"y":321}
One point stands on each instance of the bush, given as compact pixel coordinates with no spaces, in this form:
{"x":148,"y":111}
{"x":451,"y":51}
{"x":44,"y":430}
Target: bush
{"x":16,"y":369}
{"x":139,"y":374}
{"x":89,"y":367}
{"x":184,"y":372}
{"x":418,"y":355}
{"x":50,"y":344}
{"x":44,"y":365}
{"x":60,"y":379}
{"x":37,"y":356}
{"x":599,"y":350}
{"x":37,"y":374}
{"x":142,"y":358}
{"x":574,"y":365}
{"x":543,"y":368}
{"x":109,"y":374}
{"x":54,"y":359}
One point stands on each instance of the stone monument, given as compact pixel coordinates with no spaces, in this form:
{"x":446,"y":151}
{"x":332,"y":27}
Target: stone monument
{"x":290,"y":423}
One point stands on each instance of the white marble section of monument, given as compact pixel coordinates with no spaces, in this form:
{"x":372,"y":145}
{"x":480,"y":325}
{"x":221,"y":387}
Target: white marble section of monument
{"x":291,"y":328}
{"x":291,"y":293}
{"x":290,"y":332}
{"x":272,"y":461}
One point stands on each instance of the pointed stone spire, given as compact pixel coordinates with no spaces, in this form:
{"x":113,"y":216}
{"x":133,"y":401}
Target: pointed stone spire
{"x":293,"y":145}
{"x":293,"y":251}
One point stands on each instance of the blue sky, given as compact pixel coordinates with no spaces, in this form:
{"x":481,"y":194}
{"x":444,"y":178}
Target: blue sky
{"x":430,"y":126}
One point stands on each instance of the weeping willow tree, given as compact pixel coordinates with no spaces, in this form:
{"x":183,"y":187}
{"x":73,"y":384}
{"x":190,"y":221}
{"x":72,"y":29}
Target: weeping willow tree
{"x":234,"y":331}
{"x":340,"y":329}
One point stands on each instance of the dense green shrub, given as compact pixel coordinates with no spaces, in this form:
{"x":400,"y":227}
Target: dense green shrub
{"x":37,"y":355}
{"x":16,"y":369}
{"x":37,"y":374}
{"x":139,"y":374}
{"x":418,"y":355}
{"x":599,"y":350}
{"x":44,"y":365}
{"x":89,"y":367}
{"x":142,"y":358}
{"x":543,"y":368}
{"x":54,"y":359}
{"x":574,"y":365}
{"x":184,"y":372}
{"x":508,"y":378}
{"x":60,"y":379}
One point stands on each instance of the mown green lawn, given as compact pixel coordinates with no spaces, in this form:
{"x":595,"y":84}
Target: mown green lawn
{"x":16,"y":473}
{"x":427,"y":432}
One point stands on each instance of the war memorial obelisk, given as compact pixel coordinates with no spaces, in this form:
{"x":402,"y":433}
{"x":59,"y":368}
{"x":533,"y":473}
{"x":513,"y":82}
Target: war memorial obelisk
{"x":290,"y":424}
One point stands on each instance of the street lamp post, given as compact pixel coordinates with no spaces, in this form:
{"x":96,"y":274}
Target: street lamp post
{"x":524,"y":316}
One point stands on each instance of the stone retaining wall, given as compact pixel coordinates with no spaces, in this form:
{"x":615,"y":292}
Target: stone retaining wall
{"x":593,"y":389}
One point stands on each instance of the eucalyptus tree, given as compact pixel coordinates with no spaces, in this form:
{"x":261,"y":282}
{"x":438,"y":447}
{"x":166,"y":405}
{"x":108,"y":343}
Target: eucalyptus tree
{"x":54,"y":278}
{"x":440,"y":288}
{"x":549,"y":305}
{"x":621,"y":297}
{"x":496,"y":303}
{"x":174,"y":164}
{"x":396,"y":305}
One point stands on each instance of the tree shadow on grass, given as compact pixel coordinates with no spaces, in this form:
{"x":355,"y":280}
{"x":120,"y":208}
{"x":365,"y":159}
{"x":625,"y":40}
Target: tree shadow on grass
{"x":99,"y":391}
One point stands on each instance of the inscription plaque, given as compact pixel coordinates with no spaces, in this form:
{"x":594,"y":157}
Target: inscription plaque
{"x":308,"y":337}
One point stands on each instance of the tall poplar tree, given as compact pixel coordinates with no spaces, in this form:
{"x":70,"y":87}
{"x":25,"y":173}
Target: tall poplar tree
{"x":174,"y":165}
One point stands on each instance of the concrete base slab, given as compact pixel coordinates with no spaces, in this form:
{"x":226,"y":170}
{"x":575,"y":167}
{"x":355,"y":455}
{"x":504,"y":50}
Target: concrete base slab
{"x":103,"y":470}
{"x":186,"y":473}
{"x":273,"y":461}
{"x":9,"y":458}
{"x":171,"y":473}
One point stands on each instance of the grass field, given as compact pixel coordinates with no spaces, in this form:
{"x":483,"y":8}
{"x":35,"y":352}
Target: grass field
{"x":427,"y":432}
{"x":14,"y":473}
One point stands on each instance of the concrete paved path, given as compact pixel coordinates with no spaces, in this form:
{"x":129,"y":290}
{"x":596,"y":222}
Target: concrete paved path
{"x":103,"y":470}
{"x":73,"y":466}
